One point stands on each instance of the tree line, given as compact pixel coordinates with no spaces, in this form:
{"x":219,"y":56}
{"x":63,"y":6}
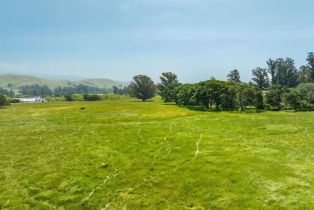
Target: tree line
{"x":278,"y":86}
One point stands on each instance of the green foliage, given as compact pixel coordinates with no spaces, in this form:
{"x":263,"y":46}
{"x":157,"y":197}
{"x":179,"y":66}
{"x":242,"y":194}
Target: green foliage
{"x":184,"y":94}
{"x":167,"y":86}
{"x":91,"y":97}
{"x":310,"y":60}
{"x":219,"y":95}
{"x":283,"y":72}
{"x":4,"y":101}
{"x":307,"y":91}
{"x":142,"y":87}
{"x":120,"y":90}
{"x":79,"y":89}
{"x":6,"y":92}
{"x":68,"y":97}
{"x":306,"y":106}
{"x":35,"y":90}
{"x":304,"y":74}
{"x":292,"y":99}
{"x":80,"y":97}
{"x":234,"y":76}
{"x":247,"y":96}
{"x":260,"y":77}
{"x":273,"y":97}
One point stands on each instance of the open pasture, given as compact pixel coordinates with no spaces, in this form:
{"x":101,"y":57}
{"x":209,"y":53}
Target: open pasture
{"x":125,"y":154}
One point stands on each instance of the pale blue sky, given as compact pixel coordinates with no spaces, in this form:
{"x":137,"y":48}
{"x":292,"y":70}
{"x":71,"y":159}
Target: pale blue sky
{"x":121,"y":38}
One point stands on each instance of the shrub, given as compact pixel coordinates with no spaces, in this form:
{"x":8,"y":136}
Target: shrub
{"x":91,"y":97}
{"x":307,"y":91}
{"x":4,"y":101}
{"x":14,"y":100}
{"x":292,"y":99}
{"x":273,"y":97}
{"x":306,"y":106}
{"x":68,"y":97}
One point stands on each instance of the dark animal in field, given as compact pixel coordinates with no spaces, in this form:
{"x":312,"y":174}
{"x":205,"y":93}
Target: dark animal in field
{"x":82,"y":108}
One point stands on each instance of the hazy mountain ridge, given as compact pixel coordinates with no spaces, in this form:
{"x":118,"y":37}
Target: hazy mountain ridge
{"x":18,"y":80}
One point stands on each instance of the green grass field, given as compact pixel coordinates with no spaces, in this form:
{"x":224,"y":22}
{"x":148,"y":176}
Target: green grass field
{"x":125,"y":154}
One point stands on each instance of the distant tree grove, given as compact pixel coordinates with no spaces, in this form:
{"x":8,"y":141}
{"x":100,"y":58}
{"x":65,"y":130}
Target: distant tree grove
{"x":279,"y":86}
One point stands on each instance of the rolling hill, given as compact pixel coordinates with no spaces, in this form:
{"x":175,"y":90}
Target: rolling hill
{"x":19,"y":80}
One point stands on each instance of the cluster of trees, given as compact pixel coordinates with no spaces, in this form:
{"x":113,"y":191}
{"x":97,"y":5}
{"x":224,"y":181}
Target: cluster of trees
{"x":280,"y":86}
{"x":301,"y":98}
{"x":7,"y":92}
{"x":85,"y":97}
{"x":79,"y":89}
{"x":120,"y":90}
{"x":283,"y":72}
{"x":35,"y":90}
{"x":44,"y":90}
{"x":218,"y":95}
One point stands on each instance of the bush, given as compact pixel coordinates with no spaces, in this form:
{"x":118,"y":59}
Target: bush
{"x":307,"y":91}
{"x":68,"y":97}
{"x":14,"y":100}
{"x":292,"y":100}
{"x":4,"y":101}
{"x":77,"y":97}
{"x":306,"y":106}
{"x":273,"y":97}
{"x":91,"y":97}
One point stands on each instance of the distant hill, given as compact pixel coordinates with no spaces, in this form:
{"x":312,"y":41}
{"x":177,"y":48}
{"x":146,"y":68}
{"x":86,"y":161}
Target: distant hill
{"x":101,"y":82}
{"x":19,"y":80}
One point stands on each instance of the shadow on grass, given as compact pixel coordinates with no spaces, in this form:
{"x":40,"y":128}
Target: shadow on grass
{"x":204,"y":109}
{"x":139,"y":101}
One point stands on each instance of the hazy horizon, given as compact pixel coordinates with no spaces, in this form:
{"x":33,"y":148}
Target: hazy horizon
{"x":195,"y":39}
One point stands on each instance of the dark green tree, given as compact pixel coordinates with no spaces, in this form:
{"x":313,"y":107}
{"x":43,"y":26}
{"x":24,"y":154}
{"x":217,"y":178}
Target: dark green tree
{"x":120,"y":90}
{"x":283,"y":72}
{"x":234,"y":76}
{"x":167,"y":86}
{"x":307,"y":92}
{"x":247,"y":95}
{"x":3,"y":101}
{"x":274,"y":97}
{"x":68,"y":97}
{"x":91,"y":97}
{"x":185,"y":94}
{"x":260,"y":78}
{"x":292,"y":100}
{"x":310,"y":60}
{"x":7,"y":92}
{"x":304,"y":74}
{"x":272,"y":70}
{"x":291,"y":74}
{"x":142,"y":87}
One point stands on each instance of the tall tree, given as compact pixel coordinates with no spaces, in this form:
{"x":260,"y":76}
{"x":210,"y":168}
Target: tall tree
{"x":142,"y":87}
{"x":283,"y":72}
{"x":310,"y":60}
{"x":272,"y":70}
{"x":234,"y":76}
{"x":260,"y":77}
{"x":167,"y":86}
{"x":291,"y":73}
{"x":304,"y":74}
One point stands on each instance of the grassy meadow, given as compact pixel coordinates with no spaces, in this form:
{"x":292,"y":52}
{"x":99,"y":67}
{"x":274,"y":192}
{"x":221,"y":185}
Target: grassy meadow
{"x":126,"y":154}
